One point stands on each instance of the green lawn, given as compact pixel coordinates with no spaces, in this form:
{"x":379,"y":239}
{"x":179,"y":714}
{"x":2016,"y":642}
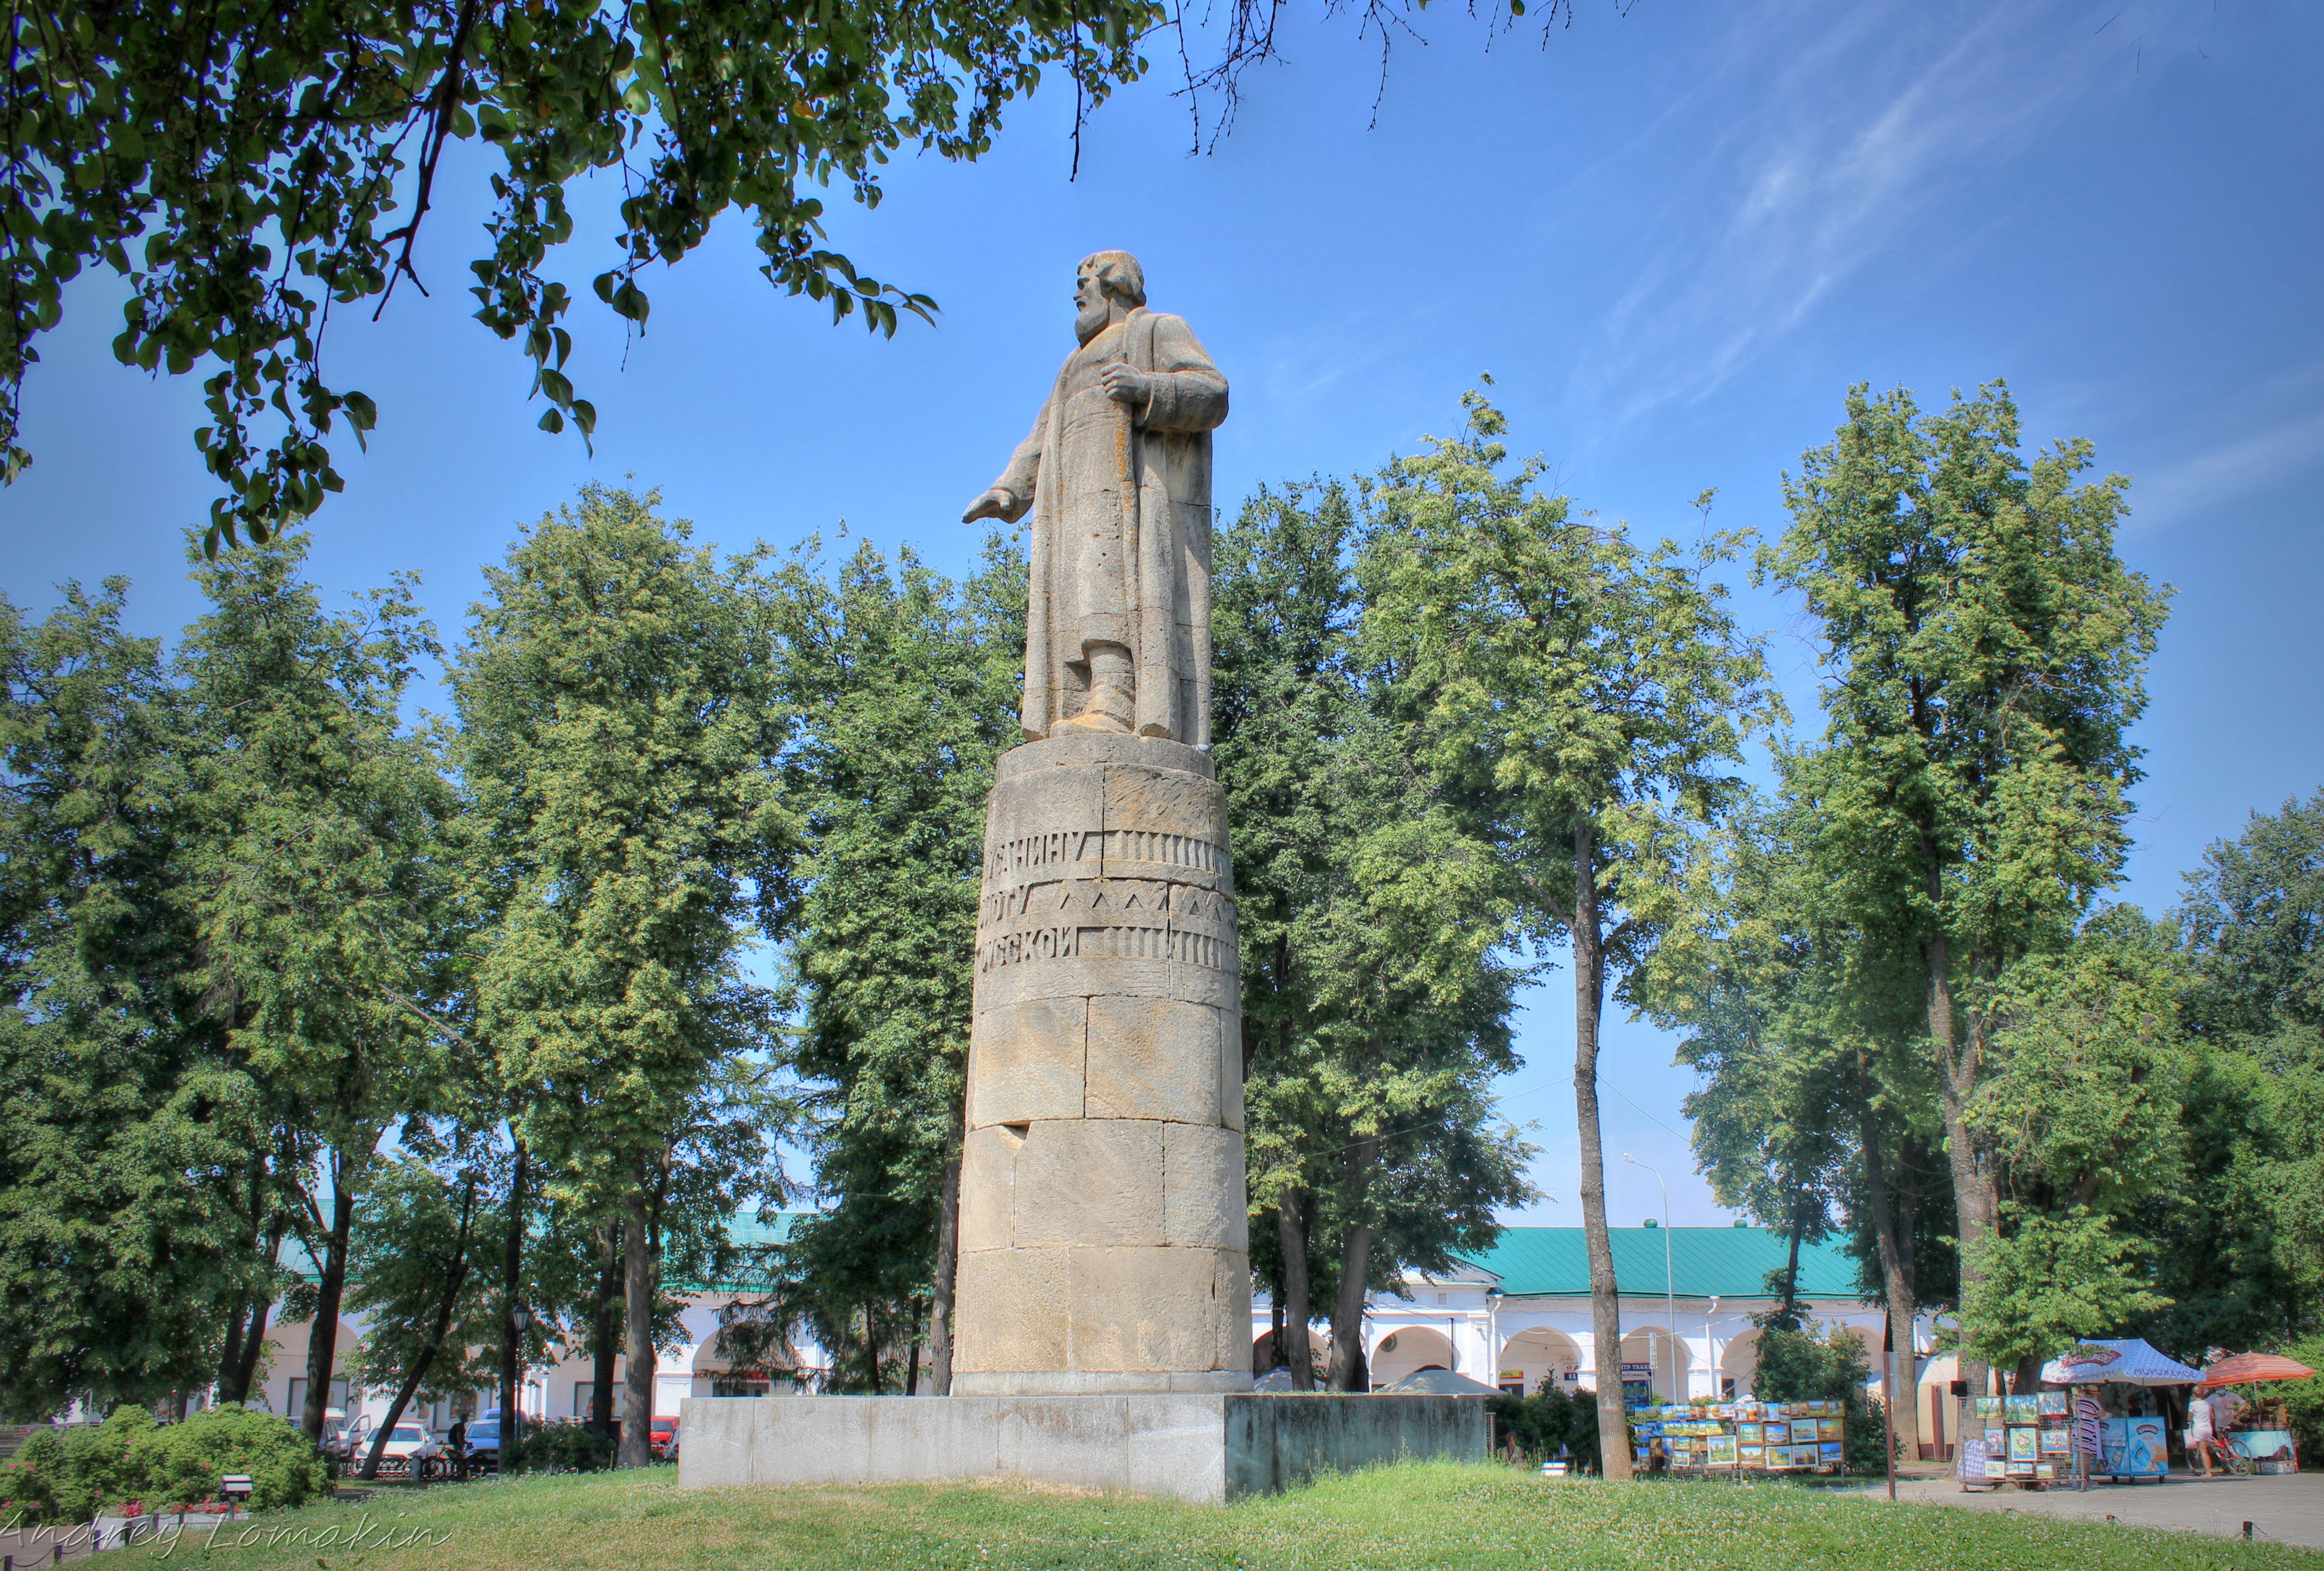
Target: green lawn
{"x":1433,"y":1516}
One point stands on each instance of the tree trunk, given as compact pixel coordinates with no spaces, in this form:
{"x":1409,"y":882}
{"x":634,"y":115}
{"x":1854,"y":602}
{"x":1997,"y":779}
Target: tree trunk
{"x":230,"y":1356}
{"x":445,"y":1311}
{"x":322,"y":1340}
{"x":641,"y":1263}
{"x":243,"y":1374}
{"x":511,"y":1287}
{"x":947,"y":1275}
{"x":1298,"y":1308}
{"x":912,"y":1356}
{"x":1785,"y":1314}
{"x":238,"y":1324}
{"x":871,"y":1344}
{"x":1977,"y":1201}
{"x":1605,"y":1305}
{"x":605,"y":1326}
{"x":235,"y":1387}
{"x":1896,"y":1279}
{"x":1350,"y":1369}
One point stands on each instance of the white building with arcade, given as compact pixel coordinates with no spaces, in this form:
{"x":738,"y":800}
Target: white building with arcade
{"x":1515,"y":1317}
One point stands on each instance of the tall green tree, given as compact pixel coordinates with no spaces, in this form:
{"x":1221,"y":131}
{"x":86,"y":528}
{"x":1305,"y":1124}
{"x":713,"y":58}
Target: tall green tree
{"x":911,"y":682}
{"x":1583,"y":700}
{"x":315,"y":878}
{"x":123,"y":1234}
{"x":630,"y":841}
{"x":1804,"y":1034}
{"x":1284,"y":607}
{"x":1983,"y":648}
{"x":1375,"y":989}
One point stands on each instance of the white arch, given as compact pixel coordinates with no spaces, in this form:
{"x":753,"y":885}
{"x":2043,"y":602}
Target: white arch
{"x":1538,"y":1353}
{"x":1667,"y":1355}
{"x":1408,"y":1348}
{"x":1739,"y":1361}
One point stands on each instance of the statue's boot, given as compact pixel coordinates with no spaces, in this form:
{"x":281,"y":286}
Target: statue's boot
{"x":1112,"y":695}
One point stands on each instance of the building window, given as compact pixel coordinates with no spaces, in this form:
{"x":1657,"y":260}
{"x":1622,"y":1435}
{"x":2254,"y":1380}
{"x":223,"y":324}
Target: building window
{"x":1726,"y":1391}
{"x":739,"y":1384}
{"x":338,"y":1397}
{"x":582,"y":1390}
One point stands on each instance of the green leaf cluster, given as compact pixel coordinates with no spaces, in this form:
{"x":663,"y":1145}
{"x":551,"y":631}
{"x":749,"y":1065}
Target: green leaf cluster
{"x":249,"y":168}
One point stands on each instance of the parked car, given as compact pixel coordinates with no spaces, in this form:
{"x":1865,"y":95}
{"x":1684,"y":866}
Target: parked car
{"x":343,"y":1437}
{"x":662,"y":1436}
{"x":484,"y":1439}
{"x":411,"y":1448}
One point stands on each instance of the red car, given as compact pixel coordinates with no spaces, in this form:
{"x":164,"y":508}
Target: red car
{"x":661,"y":1435}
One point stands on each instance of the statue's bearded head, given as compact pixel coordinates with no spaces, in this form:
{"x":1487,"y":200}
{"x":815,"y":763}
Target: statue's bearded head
{"x":1108,"y":285}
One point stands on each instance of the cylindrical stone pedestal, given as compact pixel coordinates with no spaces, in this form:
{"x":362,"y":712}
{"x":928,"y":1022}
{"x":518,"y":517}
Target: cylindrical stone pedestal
{"x":1102,"y":1240}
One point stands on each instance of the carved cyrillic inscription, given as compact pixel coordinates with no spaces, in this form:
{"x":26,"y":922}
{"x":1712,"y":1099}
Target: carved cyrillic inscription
{"x":1061,"y":848}
{"x":1127,"y":943}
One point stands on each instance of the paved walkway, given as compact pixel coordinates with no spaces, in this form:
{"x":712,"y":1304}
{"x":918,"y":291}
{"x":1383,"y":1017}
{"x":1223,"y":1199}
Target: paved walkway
{"x":2286,"y":1509}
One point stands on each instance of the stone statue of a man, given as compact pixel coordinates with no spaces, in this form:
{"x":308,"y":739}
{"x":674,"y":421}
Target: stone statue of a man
{"x":1119,"y":467}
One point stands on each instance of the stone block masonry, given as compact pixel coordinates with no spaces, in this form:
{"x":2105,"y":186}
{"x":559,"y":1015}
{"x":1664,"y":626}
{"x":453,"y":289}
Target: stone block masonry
{"x":1206,"y":1448}
{"x":1102,"y":1238}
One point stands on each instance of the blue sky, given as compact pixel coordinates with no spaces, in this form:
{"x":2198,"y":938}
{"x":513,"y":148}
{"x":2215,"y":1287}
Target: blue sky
{"x":1674,"y":235}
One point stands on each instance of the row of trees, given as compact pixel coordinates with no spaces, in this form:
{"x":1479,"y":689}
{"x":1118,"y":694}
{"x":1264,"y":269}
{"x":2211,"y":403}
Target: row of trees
{"x":512,"y":1008}
{"x":311,"y":998}
{"x":500,"y":1016}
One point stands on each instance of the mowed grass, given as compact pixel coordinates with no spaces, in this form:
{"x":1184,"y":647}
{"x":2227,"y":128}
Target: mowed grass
{"x":1418,"y":1517}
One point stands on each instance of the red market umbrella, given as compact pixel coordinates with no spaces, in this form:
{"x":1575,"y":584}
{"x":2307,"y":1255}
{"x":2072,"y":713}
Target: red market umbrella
{"x":2253,"y":1366}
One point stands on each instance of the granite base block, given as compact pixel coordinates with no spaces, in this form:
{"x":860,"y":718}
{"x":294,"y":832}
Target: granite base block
{"x":1203,"y":1448}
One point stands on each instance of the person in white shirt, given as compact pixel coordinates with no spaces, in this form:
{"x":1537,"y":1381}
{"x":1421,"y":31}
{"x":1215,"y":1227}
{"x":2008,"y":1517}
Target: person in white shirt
{"x":2199,"y":1435}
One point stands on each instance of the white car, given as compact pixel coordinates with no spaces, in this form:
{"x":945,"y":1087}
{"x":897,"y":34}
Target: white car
{"x":411,"y":1448}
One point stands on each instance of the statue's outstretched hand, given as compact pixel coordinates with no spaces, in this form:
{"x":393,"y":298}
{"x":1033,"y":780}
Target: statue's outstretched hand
{"x":997,"y":503}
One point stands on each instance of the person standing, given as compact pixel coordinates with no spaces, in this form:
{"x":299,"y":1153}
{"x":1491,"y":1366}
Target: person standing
{"x":458,"y":1440}
{"x":2200,"y":1441}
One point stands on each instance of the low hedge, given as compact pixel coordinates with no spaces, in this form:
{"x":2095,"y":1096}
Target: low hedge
{"x":562,"y":1448}
{"x":74,"y":1475}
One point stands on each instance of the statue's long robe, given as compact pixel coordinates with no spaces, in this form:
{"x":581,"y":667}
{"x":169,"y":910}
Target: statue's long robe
{"x":1122,"y":527}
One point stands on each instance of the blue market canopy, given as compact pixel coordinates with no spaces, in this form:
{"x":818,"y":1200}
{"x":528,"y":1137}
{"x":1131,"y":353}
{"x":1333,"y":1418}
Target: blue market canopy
{"x":2129,"y":1362}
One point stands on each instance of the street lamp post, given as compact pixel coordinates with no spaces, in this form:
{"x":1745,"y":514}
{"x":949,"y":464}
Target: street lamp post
{"x":513,"y":1418}
{"x":1670,"y":1287}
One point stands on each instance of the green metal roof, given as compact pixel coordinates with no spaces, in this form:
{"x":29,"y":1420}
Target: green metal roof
{"x":1733,"y":1263}
{"x":1532,"y":1262}
{"x":752,"y":1232}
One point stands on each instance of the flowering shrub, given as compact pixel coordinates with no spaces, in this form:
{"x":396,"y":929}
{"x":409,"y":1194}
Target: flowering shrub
{"x":68,"y":1474}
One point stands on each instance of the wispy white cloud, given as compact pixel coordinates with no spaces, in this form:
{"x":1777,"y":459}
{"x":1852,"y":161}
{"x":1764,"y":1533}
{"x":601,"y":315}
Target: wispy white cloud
{"x":1864,"y":123}
{"x":2207,"y":481}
